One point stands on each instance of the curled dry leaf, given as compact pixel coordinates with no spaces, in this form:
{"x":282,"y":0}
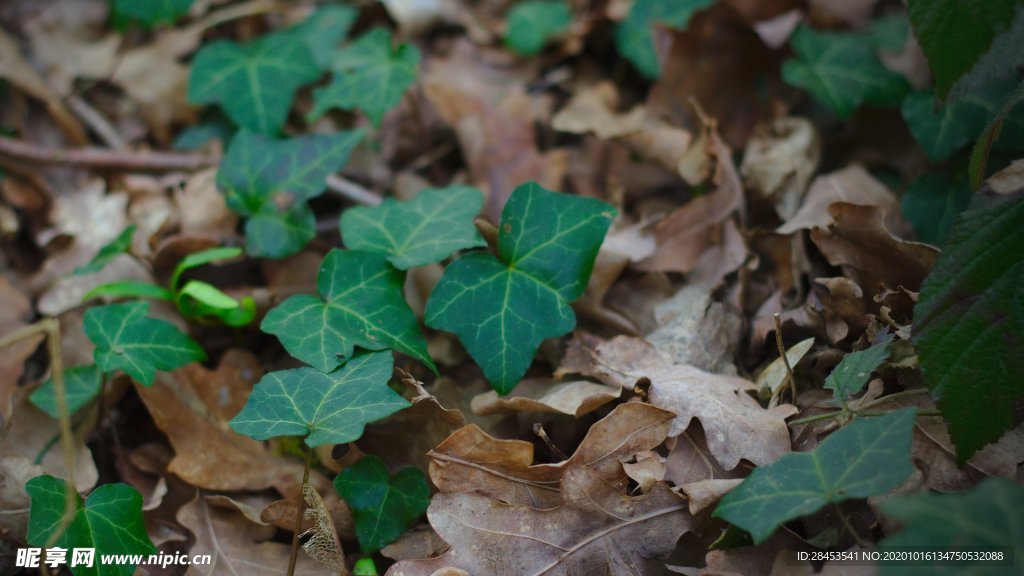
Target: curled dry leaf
{"x":540,"y":395}
{"x":418,"y":542}
{"x":597,"y":526}
{"x":472,"y":461}
{"x":735,"y":424}
{"x":705,"y":493}
{"x":858,"y":240}
{"x":853,"y":185}
{"x":646,"y":471}
{"x":323,"y":544}
{"x":779,"y":161}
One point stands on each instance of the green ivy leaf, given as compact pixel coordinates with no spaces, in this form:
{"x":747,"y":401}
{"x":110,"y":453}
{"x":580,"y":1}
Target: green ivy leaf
{"x":502,"y":309}
{"x":148,"y":13}
{"x":360,"y":304}
{"x":126,"y":339}
{"x":108,"y":252}
{"x":969,"y":321}
{"x":110,"y":521}
{"x":325,"y":408}
{"x":991,"y":515}
{"x":428,"y":228}
{"x":842,"y":71}
{"x":370,"y":76}
{"x":634,"y":35}
{"x":889,"y":33}
{"x":944,"y":130}
{"x":854,"y":370}
{"x":202,"y":258}
{"x":972,"y":24}
{"x":933,"y":202}
{"x":531,"y":24}
{"x":324,"y":30}
{"x":269,"y":182}
{"x":81,"y":385}
{"x":865,"y":458}
{"x":384,"y":507}
{"x":255,"y":83}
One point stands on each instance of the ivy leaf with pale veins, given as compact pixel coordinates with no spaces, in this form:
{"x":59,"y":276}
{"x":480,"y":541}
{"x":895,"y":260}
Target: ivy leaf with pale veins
{"x":532,"y":23}
{"x":634,"y":36}
{"x":854,"y":370}
{"x":385,"y":506}
{"x":81,"y":385}
{"x":503,"y":308}
{"x":325,"y":408}
{"x":270,"y":181}
{"x":370,"y":75}
{"x":360,"y":304}
{"x":989,"y":516}
{"x":108,"y":252}
{"x":324,"y":30}
{"x":148,"y":13}
{"x":842,"y":71}
{"x":110,"y":521}
{"x":969,"y":322}
{"x":126,"y":339}
{"x":865,"y":458}
{"x":428,"y":228}
{"x":944,"y":130}
{"x":255,"y":83}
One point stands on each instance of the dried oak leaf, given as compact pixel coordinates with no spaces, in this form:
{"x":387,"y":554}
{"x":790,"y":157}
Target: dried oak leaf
{"x":596,"y":528}
{"x":735,"y":424}
{"x":858,"y":239}
{"x":541,"y":395}
{"x":472,"y":461}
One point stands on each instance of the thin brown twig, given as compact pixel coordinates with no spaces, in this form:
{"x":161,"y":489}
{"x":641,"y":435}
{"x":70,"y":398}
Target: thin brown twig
{"x":785,"y":358}
{"x":105,"y":159}
{"x":354,"y":192}
{"x":299,"y":512}
{"x":96,"y":122}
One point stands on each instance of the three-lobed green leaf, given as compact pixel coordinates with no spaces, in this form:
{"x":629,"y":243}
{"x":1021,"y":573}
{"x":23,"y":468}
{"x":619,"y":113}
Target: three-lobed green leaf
{"x":370,"y":75}
{"x":360,"y":304}
{"x":634,"y":36}
{"x":324,"y":30}
{"x":119,"y":245}
{"x":531,"y":24}
{"x":969,"y":321}
{"x":941,"y":131}
{"x":865,"y":458}
{"x":955,"y":34}
{"x":854,"y":370}
{"x":325,"y":408}
{"x":383,"y":506}
{"x":254,"y":83}
{"x":270,"y":181}
{"x":127,"y":340}
{"x":989,"y":516}
{"x":503,"y":308}
{"x":110,"y":521}
{"x":428,"y":228}
{"x":842,"y":71}
{"x":81,"y":385}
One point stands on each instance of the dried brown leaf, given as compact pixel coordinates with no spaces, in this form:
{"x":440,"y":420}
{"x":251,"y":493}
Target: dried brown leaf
{"x":541,"y":395}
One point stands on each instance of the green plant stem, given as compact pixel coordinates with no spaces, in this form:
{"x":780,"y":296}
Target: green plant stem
{"x":894,"y":396}
{"x":299,"y":511}
{"x":817,"y":417}
{"x":849,"y":527}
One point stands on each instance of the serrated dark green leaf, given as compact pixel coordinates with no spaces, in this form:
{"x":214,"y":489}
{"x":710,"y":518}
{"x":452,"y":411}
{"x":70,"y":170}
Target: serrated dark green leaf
{"x":969,"y":322}
{"x":324,"y":30}
{"x":842,"y":71}
{"x":502,"y":309}
{"x":108,"y":252}
{"x":81,"y":385}
{"x":854,"y":370}
{"x":148,"y":13}
{"x":1003,"y":60}
{"x":933,"y":202}
{"x":865,"y":458}
{"x":428,"y":228}
{"x":634,"y":36}
{"x":254,"y":83}
{"x":384,"y":507}
{"x":954,"y":34}
{"x":941,"y":131}
{"x":127,"y":340}
{"x":531,"y":24}
{"x":370,"y":75}
{"x":269,"y":182}
{"x":324,"y":408}
{"x":360,"y":304}
{"x":110,"y":522}
{"x":989,"y":516}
